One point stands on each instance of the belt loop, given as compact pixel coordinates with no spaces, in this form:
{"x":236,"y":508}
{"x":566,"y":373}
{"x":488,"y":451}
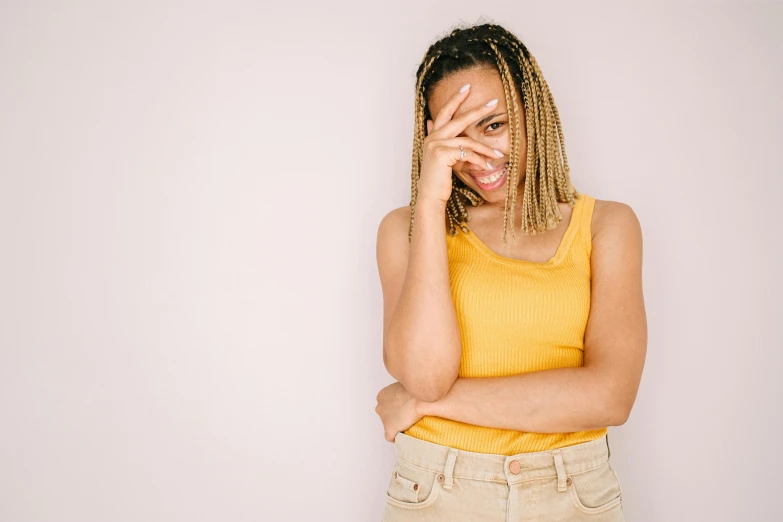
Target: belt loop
{"x":448,"y":472}
{"x":608,"y":449}
{"x":561,"y":475}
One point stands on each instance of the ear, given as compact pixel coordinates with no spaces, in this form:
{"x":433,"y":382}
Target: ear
{"x":429,"y":126}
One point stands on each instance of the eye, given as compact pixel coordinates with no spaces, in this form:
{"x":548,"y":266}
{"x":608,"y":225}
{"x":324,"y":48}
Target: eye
{"x":495,"y":123}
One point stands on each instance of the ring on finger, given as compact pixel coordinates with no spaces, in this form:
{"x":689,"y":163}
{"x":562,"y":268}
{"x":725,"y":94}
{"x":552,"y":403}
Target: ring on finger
{"x":462,"y":153}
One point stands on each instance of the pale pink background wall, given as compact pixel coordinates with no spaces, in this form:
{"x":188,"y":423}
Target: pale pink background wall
{"x":190,"y":313}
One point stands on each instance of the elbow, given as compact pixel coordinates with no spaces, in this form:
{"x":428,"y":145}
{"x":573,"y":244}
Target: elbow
{"x":616,"y":404}
{"x":428,"y":382}
{"x":619,"y":411}
{"x":426,"y":388}
{"x":618,"y":417}
{"x":430,"y":391}
{"x":430,"y":386}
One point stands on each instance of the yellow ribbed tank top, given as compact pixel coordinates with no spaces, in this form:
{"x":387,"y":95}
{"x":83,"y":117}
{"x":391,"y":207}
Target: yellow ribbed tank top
{"x":517,"y":316}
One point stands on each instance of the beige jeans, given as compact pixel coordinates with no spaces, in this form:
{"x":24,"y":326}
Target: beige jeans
{"x":430,"y":482}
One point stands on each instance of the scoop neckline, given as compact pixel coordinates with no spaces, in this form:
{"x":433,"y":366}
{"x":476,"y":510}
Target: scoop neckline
{"x":562,"y":249}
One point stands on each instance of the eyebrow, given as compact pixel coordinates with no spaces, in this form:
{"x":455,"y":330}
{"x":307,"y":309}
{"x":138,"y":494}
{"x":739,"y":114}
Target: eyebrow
{"x":487,"y":118}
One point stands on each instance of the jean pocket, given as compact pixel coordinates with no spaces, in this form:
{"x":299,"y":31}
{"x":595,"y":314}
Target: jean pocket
{"x":412,"y":487}
{"x":596,"y":490}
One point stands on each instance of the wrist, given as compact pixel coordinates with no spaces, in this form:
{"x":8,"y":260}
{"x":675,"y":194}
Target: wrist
{"x":424,"y":408}
{"x":430,"y":203}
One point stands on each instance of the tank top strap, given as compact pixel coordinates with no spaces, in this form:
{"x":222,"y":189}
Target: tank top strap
{"x":586,"y":218}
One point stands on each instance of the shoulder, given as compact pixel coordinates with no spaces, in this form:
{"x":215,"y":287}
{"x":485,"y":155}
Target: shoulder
{"x":394,"y":223}
{"x":616,"y":233}
{"x":397,"y":215}
{"x":392,"y":237}
{"x":613,"y":218}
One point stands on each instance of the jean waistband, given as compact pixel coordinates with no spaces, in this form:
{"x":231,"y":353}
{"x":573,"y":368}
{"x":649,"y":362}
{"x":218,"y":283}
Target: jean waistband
{"x":452,"y":462}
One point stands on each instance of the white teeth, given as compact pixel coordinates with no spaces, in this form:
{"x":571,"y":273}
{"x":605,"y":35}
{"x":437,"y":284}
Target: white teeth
{"x":493,"y":178}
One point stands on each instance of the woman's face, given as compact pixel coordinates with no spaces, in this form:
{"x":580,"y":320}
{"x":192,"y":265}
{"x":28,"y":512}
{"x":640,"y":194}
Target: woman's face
{"x":492,"y":130}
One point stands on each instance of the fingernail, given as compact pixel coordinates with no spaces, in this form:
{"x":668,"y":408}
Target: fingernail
{"x":500,"y":154}
{"x":489,"y":165}
{"x":490,"y":103}
{"x":465,"y":87}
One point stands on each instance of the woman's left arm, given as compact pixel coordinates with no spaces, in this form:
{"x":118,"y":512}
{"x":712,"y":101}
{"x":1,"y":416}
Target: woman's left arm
{"x":602,"y":392}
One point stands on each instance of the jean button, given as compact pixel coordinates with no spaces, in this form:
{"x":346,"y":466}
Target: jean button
{"x":514,"y":467}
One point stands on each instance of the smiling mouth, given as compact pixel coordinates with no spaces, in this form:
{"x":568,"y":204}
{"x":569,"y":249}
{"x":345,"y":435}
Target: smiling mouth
{"x":490,"y":177}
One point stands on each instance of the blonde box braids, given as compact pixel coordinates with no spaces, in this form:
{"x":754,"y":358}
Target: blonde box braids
{"x":547,"y":175}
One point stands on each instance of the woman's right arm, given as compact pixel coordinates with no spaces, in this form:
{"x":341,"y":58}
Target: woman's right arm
{"x":421,"y":338}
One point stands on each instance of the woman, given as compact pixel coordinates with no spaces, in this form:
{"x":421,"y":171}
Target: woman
{"x":512,"y":359}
